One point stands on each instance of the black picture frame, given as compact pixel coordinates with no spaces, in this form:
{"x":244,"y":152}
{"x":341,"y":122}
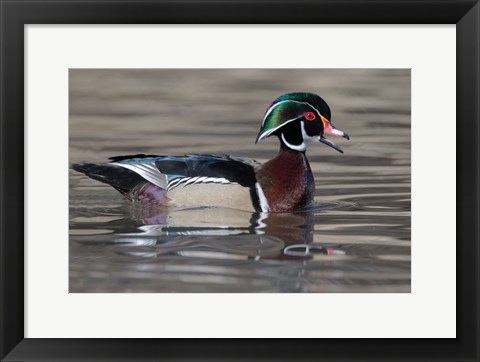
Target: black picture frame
{"x":15,"y":14}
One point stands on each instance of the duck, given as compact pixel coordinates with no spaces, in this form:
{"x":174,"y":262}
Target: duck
{"x":284,"y":183}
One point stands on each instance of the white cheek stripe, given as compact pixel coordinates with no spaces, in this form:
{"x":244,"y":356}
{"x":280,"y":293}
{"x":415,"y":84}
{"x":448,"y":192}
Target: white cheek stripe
{"x":261,"y":198}
{"x":273,"y":107}
{"x":301,"y":147}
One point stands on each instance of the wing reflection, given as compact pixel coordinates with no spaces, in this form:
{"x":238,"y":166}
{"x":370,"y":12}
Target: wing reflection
{"x":221,"y":233}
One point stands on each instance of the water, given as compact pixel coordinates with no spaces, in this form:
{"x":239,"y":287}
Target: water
{"x":355,"y":238}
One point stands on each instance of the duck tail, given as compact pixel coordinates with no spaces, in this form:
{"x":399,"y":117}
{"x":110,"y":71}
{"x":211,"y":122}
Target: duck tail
{"x":120,"y":178}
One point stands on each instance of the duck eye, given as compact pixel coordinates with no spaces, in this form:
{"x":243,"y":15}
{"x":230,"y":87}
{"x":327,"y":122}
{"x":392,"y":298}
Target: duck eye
{"x":309,"y":116}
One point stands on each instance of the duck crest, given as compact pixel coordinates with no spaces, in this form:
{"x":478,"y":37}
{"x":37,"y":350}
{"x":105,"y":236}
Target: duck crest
{"x":287,"y":181}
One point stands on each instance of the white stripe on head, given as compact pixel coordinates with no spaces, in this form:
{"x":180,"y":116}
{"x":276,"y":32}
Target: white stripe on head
{"x":316,"y":110}
{"x":270,"y":131}
{"x":272,"y":107}
{"x":287,"y":100}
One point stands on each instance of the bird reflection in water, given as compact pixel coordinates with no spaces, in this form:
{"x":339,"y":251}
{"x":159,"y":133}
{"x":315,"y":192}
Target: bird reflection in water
{"x":223,"y":233}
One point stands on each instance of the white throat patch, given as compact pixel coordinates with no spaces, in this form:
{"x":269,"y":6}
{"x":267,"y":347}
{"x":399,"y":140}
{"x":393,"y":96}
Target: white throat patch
{"x":306,"y":140}
{"x":301,"y":147}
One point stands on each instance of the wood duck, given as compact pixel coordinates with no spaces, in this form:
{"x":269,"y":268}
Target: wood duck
{"x":283,"y":184}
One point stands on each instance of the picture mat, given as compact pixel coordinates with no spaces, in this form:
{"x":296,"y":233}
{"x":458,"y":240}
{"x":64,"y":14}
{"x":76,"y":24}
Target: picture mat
{"x":428,"y":50}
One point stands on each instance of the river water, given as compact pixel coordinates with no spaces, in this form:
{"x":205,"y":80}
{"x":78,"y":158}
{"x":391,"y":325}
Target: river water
{"x":355,"y":238}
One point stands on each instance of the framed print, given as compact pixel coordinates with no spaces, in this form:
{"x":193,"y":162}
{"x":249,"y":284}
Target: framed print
{"x":378,"y":261}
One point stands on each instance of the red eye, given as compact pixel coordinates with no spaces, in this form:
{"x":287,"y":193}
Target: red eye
{"x":310,"y":116}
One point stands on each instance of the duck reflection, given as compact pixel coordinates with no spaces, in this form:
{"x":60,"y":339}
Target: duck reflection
{"x":222,"y":233}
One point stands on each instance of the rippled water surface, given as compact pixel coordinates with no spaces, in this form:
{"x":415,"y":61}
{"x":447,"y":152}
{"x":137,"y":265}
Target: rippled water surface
{"x":355,"y":238}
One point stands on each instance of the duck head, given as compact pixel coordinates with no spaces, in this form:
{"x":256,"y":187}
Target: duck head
{"x":298,"y":119}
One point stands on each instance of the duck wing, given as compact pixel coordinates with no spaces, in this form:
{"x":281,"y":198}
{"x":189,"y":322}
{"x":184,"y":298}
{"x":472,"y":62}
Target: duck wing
{"x":126,"y":173}
{"x":195,"y":169}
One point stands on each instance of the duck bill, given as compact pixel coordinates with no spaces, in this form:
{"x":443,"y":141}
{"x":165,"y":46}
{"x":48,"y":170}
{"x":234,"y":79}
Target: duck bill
{"x":330,"y":143}
{"x":332,"y":131}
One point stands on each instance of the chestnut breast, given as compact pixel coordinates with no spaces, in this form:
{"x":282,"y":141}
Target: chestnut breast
{"x":287,"y":181}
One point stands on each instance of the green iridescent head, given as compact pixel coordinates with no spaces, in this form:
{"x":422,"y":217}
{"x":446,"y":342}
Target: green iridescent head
{"x":298,"y":119}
